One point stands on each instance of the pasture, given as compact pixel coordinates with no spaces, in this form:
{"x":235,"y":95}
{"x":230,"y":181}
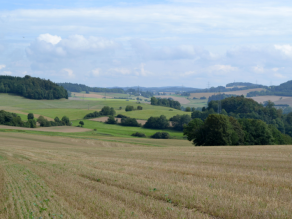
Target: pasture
{"x":239,"y":92}
{"x":77,"y":109}
{"x":62,"y":177}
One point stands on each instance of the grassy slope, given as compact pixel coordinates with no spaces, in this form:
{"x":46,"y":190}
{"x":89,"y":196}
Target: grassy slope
{"x":78,"y":109}
{"x":123,"y":131}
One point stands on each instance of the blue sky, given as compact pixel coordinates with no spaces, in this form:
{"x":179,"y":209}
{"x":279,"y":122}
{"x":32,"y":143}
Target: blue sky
{"x":149,"y":43}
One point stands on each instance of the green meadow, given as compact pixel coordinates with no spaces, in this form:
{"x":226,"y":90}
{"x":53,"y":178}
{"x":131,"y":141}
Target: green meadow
{"x":123,"y":131}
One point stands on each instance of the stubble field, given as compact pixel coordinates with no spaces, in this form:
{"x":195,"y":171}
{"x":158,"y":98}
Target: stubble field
{"x":61,"y":177}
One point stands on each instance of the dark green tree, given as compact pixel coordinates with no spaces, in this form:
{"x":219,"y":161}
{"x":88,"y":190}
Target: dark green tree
{"x":30,"y":116}
{"x":81,"y":123}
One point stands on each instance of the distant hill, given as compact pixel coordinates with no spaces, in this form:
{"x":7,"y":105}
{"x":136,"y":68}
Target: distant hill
{"x":81,"y":87}
{"x":32,"y":88}
{"x":161,"y":89}
{"x":241,"y":84}
{"x":284,"y":89}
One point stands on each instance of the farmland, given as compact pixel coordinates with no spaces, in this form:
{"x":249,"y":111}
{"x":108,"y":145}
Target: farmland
{"x":65,"y":177}
{"x":239,"y":92}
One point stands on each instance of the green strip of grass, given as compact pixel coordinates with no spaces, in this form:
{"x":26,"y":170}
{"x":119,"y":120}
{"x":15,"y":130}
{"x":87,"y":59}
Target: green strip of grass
{"x":124,"y":131}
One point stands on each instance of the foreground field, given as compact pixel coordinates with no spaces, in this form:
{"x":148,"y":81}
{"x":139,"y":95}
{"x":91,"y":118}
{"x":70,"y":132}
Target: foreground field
{"x":45,"y":177}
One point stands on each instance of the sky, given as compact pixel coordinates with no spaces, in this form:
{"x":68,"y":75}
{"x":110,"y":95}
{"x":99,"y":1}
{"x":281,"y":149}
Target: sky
{"x":148,"y":43}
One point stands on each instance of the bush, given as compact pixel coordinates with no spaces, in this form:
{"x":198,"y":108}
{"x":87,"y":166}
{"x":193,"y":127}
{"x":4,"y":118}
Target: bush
{"x":188,"y":109}
{"x":121,"y":116}
{"x":139,"y":134}
{"x":30,"y":116}
{"x":139,"y":107}
{"x":105,"y":111}
{"x":81,"y":123}
{"x":179,"y":121}
{"x":66,"y":121}
{"x":111,"y":120}
{"x":157,"y":123}
{"x":130,"y":122}
{"x":203,"y":98}
{"x":161,"y":135}
{"x":129,"y":108}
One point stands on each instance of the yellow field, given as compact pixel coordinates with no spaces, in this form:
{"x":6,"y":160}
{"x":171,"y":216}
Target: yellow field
{"x":60,"y":177}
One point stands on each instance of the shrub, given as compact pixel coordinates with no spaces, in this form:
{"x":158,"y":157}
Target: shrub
{"x":121,"y":116}
{"x":130,"y":122}
{"x":139,"y":107}
{"x":105,"y":111}
{"x":161,"y":135}
{"x":157,"y":123}
{"x":111,"y":120}
{"x":139,"y":134}
{"x":129,"y":108}
{"x":81,"y":123}
{"x":203,"y":98}
{"x":66,"y":120}
{"x":188,"y":109}
{"x":30,"y":116}
{"x":179,"y":121}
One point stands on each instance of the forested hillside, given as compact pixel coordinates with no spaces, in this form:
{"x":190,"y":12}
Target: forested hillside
{"x":32,"y":88}
{"x":241,"y":84}
{"x":81,"y":87}
{"x":284,"y":89}
{"x":240,"y":107}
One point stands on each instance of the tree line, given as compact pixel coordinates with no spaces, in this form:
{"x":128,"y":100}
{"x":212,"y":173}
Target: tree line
{"x":284,"y":89}
{"x":225,"y":130}
{"x":32,"y":88}
{"x":165,"y":102}
{"x":12,"y":119}
{"x":81,"y":87}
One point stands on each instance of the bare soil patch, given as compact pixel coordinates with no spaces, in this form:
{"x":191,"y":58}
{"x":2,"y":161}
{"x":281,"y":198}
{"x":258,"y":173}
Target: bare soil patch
{"x":182,"y":100}
{"x":63,"y":129}
{"x":104,"y":119}
{"x":239,"y":92}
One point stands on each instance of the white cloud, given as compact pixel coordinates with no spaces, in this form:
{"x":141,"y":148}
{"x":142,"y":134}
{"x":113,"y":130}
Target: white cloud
{"x":223,"y":68}
{"x":188,"y":73}
{"x":258,"y":69}
{"x":123,"y":71}
{"x":96,"y":72}
{"x":286,"y":49}
{"x":278,"y":75}
{"x":2,"y":66}
{"x":49,"y":38}
{"x":69,"y":72}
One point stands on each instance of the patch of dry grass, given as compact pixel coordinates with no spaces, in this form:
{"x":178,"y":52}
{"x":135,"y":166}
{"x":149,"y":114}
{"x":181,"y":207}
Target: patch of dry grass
{"x":79,"y":178}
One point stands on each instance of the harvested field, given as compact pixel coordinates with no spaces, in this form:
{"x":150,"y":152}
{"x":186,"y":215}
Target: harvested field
{"x":285,"y":101}
{"x":63,"y":129}
{"x":104,"y":119}
{"x":239,"y":92}
{"x":182,"y":100}
{"x":262,"y":99}
{"x":45,"y":177}
{"x":91,"y":95}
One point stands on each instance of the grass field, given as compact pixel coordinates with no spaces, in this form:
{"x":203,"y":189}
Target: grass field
{"x":61,"y":177}
{"x":78,"y":109}
{"x":123,"y":131}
